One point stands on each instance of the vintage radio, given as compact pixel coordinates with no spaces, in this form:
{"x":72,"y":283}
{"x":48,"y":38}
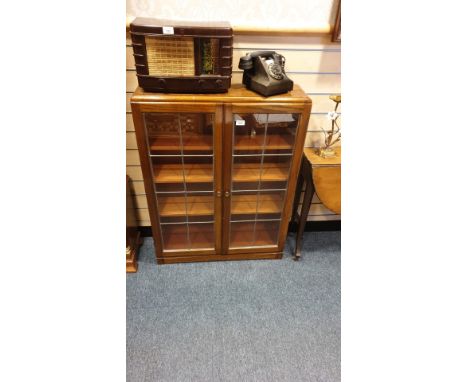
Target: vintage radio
{"x":182,"y":56}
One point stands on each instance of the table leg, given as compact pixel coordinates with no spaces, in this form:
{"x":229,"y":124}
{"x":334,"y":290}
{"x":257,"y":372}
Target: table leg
{"x":297,"y":195}
{"x":309,"y":192}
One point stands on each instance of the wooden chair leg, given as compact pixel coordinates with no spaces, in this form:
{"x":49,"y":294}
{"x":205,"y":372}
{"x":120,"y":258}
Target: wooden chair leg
{"x":303,"y":219}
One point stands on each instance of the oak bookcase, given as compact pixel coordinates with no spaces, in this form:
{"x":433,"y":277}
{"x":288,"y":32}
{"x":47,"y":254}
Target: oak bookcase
{"x":220,"y":171}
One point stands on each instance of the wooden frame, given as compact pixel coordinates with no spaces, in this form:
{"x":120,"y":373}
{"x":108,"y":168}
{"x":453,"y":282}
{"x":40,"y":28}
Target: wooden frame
{"x":336,"y":36}
{"x":223,"y":106}
{"x":173,"y":63}
{"x":251,"y":30}
{"x":142,"y":141}
{"x":304,"y":110}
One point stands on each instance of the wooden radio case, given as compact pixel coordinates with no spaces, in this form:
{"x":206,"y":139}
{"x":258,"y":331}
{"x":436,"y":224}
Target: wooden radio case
{"x":182,"y":56}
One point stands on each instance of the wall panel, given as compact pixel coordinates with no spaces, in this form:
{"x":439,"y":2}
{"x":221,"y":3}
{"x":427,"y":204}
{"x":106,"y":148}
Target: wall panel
{"x":301,"y":60}
{"x":133,"y":157}
{"x":296,"y":60}
{"x":131,"y":140}
{"x":129,"y":124}
{"x":134,"y":172}
{"x":138,"y":187}
{"x":128,"y":95}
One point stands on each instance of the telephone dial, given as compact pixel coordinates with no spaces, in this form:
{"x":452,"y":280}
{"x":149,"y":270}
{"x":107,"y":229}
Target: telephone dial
{"x":264,"y":73}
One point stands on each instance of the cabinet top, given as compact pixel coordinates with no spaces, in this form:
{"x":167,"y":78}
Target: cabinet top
{"x":236,"y":93}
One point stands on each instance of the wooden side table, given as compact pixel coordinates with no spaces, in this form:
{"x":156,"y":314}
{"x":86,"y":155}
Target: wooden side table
{"x":322,"y":176}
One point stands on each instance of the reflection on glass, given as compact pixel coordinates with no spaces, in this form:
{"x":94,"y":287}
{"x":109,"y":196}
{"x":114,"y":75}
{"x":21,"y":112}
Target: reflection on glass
{"x":242,"y":234}
{"x":266,"y":233}
{"x":254,"y":233}
{"x":168,"y":173}
{"x":201,"y":235}
{"x":264,"y":133}
{"x":174,"y":236}
{"x":270,"y":202}
{"x":262,"y":154}
{"x":181,"y":150}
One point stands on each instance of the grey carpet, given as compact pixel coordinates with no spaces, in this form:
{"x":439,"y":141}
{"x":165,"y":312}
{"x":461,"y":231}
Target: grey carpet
{"x":266,"y":320}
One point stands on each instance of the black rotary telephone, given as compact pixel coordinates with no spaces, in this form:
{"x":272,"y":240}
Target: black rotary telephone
{"x":264,"y":73}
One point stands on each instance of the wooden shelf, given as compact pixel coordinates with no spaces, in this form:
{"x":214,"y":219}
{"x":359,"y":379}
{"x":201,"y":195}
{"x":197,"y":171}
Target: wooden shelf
{"x":172,"y":143}
{"x":250,"y":172}
{"x":182,"y":206}
{"x":243,"y":234}
{"x":173,"y":173}
{"x":202,"y":173}
{"x":201,"y":236}
{"x":175,"y":236}
{"x":247,"y":204}
{"x":173,"y":206}
{"x":273,"y":142}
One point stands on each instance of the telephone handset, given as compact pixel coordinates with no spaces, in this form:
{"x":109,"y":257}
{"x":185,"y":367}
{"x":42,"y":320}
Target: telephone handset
{"x":264,"y":73}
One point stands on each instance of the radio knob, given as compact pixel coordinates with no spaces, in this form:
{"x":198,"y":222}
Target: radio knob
{"x":219,"y":83}
{"x":161,"y":83}
{"x":201,"y":83}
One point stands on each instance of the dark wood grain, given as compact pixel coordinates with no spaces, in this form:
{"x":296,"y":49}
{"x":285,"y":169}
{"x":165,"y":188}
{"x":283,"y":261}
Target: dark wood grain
{"x":336,"y":35}
{"x":217,"y":33}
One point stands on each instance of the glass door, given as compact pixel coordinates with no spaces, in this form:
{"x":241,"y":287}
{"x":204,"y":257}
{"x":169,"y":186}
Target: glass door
{"x":262,"y":153}
{"x":181,"y":152}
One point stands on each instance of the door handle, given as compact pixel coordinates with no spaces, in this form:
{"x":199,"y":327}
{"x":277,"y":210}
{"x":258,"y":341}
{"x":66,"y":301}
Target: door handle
{"x":226,"y":194}
{"x":218,"y":194}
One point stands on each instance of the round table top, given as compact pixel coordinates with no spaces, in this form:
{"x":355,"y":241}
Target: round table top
{"x":316,"y":160}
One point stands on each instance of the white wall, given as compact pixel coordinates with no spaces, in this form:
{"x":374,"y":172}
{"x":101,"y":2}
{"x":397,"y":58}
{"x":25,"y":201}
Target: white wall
{"x":271,"y":13}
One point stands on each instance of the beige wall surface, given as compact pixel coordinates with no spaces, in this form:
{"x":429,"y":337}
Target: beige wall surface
{"x":259,"y":13}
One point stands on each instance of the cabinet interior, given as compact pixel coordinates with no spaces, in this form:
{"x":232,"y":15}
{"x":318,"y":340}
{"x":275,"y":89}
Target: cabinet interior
{"x":181,"y":150}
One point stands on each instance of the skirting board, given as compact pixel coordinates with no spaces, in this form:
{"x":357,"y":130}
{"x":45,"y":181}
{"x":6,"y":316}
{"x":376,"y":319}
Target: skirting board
{"x":328,"y":225}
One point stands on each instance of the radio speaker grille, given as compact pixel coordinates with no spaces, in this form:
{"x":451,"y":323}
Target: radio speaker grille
{"x":170,"y":56}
